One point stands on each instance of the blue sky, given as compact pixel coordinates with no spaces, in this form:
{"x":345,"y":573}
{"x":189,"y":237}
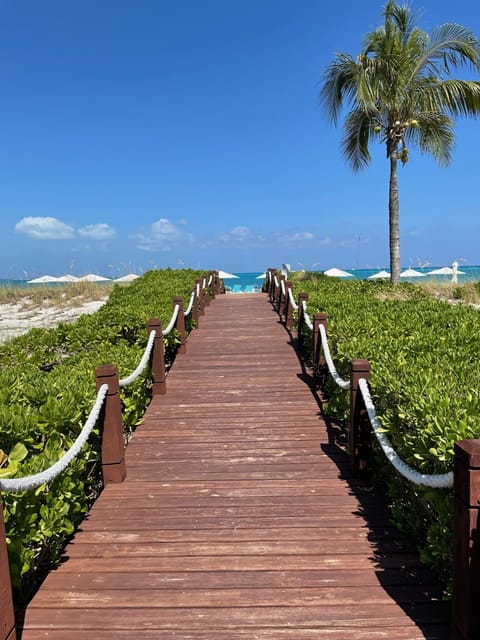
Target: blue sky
{"x":148,"y":133}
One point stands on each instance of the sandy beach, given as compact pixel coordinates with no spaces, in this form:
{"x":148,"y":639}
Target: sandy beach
{"x":18,"y":318}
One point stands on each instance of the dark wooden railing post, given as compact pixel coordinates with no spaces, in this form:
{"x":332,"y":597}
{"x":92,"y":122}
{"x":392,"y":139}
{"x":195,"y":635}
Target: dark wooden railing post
{"x":288,"y":305}
{"x":302,"y":297}
{"x":360,"y":432}
{"x":200,"y":299}
{"x":195,"y":313}
{"x":272,"y":288}
{"x":466,"y":541}
{"x":317,"y":355}
{"x":281,"y":297}
{"x":206,"y":291}
{"x":113,"y":446}
{"x":7,"y":614}
{"x":211,"y":277}
{"x":180,"y":324}
{"x":157,"y":358}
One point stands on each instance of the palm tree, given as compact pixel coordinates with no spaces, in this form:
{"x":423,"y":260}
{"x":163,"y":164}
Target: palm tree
{"x":399,"y":91}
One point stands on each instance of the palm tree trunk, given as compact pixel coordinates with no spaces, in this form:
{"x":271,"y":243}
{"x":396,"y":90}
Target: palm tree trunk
{"x":394,"y":219}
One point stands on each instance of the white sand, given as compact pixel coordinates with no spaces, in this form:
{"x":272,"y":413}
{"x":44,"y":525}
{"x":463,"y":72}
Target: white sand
{"x":16,"y":318}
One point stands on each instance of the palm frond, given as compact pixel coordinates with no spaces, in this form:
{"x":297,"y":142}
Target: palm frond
{"x":357,"y":131}
{"x":339,"y":85}
{"x":449,"y":47}
{"x":459,"y":97}
{"x":437,"y":136}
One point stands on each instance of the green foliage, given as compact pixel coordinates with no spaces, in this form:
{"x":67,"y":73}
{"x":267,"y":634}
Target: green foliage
{"x":47,"y":389}
{"x":425,"y":362}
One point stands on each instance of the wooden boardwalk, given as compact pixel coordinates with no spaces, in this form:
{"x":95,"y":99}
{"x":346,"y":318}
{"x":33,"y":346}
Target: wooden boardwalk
{"x":238,"y":519}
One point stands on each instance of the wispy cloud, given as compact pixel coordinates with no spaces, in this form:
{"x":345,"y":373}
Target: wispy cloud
{"x":163,"y":235}
{"x":45,"y":228}
{"x":100,"y":231}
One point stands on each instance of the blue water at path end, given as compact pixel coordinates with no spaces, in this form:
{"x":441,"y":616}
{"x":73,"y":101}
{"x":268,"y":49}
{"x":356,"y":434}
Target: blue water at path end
{"x":244,"y":282}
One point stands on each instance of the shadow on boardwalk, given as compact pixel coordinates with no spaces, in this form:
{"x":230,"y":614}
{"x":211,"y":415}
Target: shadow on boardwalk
{"x":410,"y":584}
{"x":238,"y":518}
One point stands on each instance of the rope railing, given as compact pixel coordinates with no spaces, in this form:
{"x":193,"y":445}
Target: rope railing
{"x":188,"y":310}
{"x":292,"y":299}
{"x":343,"y":384}
{"x":306,"y":317}
{"x":124,"y":382}
{"x":35,"y":480}
{"x":437,"y":481}
{"x":172,"y":322}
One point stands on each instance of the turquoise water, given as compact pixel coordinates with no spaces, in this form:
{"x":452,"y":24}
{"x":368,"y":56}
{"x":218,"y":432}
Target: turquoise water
{"x":244,"y":282}
{"x":250,"y":281}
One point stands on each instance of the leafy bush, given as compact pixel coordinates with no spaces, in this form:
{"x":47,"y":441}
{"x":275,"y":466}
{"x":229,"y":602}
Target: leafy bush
{"x":47,"y":389}
{"x":425,"y":362}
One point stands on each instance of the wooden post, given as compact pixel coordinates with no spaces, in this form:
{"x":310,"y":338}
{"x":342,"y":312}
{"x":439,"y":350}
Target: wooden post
{"x":272,"y":288}
{"x":157,"y":358}
{"x":317,"y":355}
{"x":113,"y":446}
{"x":281,"y":298}
{"x":195,"y":313}
{"x":205,"y":291}
{"x":200,"y":300}
{"x":466,"y":541}
{"x":180,"y":324}
{"x":302,"y":297}
{"x":288,"y":306}
{"x":7,"y":614}
{"x":360,"y":432}
{"x":214,"y":285}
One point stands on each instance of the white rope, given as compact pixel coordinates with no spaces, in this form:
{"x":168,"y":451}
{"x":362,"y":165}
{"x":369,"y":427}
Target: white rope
{"x":438,"y":481}
{"x":198,"y":289}
{"x":282,"y":283}
{"x":210,"y":280}
{"x":173,"y":320}
{"x":275,"y":279}
{"x":269,"y":276}
{"x":343,"y":384}
{"x":124,"y":382}
{"x":306,"y":317}
{"x":190,"y":304}
{"x":44,"y":477}
{"x":204,"y":283}
{"x":292,"y":300}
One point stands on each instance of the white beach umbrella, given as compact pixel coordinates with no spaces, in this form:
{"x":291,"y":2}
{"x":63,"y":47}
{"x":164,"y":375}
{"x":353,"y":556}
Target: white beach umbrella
{"x":67,"y":278}
{"x":128,"y":278}
{"x":337,"y":273}
{"x":380,"y":274}
{"x":93,"y":277}
{"x":42,"y":280}
{"x":411,"y":273}
{"x":225,"y":274}
{"x":262,"y":276}
{"x":443,"y":271}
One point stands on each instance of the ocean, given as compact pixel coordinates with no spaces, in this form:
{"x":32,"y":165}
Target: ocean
{"x":252,"y":281}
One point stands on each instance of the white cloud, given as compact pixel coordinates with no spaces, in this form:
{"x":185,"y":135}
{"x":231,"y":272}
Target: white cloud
{"x":291,"y":238}
{"x":162,"y":235}
{"x":100,"y":231}
{"x":45,"y":228}
{"x":238,"y":237}
{"x":240,"y":232}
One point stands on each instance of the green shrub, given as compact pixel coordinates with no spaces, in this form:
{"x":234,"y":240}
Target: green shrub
{"x":47,"y":389}
{"x":425,"y":363}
